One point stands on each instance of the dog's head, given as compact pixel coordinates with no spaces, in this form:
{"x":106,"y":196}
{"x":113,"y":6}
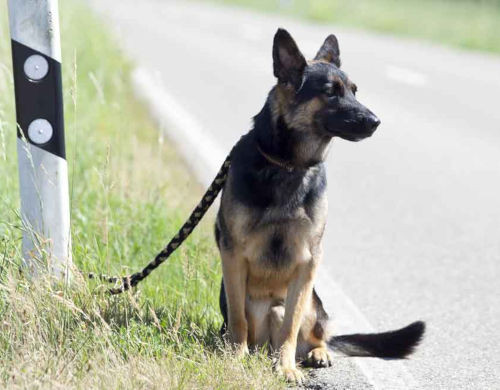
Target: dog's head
{"x":317,"y":96}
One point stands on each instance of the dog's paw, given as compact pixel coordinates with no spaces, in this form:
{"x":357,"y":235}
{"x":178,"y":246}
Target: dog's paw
{"x":319,"y":357}
{"x":292,"y":375}
{"x":241,"y":350}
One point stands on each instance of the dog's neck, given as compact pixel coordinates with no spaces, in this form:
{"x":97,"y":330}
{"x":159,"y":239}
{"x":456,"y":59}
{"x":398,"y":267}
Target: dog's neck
{"x":275,"y":161}
{"x":283,"y":146}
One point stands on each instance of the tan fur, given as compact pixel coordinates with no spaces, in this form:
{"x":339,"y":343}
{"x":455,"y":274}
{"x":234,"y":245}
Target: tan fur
{"x":267,"y":304}
{"x":234,"y":269}
{"x":302,"y":116}
{"x":301,"y":119}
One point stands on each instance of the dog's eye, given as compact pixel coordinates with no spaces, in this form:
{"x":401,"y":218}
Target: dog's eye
{"x":333,"y":89}
{"x":329,"y":90}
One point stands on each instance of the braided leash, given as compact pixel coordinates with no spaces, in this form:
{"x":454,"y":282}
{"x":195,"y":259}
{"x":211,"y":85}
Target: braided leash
{"x":132,"y":280}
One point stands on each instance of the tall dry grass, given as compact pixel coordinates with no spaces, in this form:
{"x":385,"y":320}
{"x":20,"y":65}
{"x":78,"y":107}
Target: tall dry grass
{"x":130,"y":192}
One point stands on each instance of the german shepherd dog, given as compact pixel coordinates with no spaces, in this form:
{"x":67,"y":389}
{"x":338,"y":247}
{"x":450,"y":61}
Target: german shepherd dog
{"x":273,"y":212}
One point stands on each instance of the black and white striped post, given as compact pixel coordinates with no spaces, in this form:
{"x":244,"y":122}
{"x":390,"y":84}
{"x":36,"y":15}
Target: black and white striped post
{"x":43,"y":171}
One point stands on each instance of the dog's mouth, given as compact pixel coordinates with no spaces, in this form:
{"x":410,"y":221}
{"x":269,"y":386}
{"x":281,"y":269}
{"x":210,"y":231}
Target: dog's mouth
{"x":353,"y":137}
{"x":351,"y":130}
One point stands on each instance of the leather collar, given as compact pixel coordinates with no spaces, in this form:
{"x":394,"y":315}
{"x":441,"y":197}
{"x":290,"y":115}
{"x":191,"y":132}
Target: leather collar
{"x":276,"y":161}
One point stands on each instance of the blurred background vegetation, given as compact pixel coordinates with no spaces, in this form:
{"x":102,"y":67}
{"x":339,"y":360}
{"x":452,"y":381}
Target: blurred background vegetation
{"x":470,"y":24}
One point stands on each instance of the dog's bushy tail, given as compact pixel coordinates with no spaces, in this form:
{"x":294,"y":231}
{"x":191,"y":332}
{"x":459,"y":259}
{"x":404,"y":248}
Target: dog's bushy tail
{"x":393,"y":344}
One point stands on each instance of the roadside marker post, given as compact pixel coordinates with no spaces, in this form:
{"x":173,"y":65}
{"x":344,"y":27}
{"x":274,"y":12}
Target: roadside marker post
{"x":43,"y":170}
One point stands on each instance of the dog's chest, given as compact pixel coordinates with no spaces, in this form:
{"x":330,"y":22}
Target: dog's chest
{"x":273,"y":220}
{"x":273,"y":245}
{"x":276,"y":239}
{"x":280,"y":242}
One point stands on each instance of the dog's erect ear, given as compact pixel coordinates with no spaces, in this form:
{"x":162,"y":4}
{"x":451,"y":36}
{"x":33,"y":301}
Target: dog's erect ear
{"x":288,"y":61}
{"x":330,"y":51}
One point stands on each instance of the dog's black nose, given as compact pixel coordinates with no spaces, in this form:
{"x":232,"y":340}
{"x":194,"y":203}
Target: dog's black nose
{"x":371,"y":123}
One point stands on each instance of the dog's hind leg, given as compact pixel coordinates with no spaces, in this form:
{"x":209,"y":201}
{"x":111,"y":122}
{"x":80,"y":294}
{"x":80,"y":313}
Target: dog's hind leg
{"x":234,"y":269}
{"x":311,"y":350}
{"x":312,"y":344}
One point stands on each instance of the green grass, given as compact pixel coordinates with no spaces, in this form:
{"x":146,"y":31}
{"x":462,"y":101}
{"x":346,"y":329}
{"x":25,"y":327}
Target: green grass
{"x":129,"y":194}
{"x":470,"y":24}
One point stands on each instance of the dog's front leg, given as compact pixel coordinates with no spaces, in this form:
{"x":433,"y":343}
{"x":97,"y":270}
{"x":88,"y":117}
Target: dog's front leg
{"x":297,"y":300}
{"x":234,"y":269}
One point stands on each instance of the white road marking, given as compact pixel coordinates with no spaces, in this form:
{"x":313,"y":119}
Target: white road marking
{"x":199,"y":150}
{"x":205,"y":157}
{"x":406,"y":76}
{"x":347,"y":318}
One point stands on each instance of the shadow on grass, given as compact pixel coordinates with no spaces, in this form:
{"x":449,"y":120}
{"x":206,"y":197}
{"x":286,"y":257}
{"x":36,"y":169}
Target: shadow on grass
{"x":175,"y":324}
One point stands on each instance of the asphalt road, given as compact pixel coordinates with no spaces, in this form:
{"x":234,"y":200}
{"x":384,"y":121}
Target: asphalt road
{"x":414,"y":221}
